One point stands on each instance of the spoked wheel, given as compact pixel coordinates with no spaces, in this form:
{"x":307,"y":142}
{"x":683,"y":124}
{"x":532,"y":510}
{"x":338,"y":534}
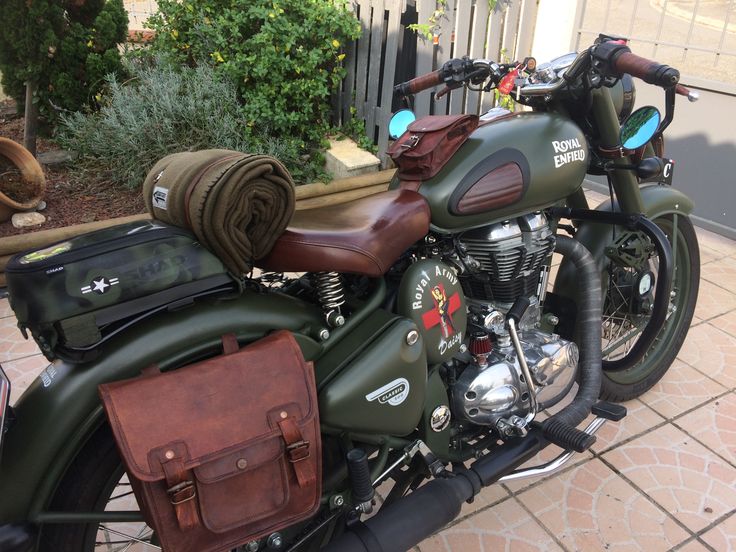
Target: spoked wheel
{"x":626,"y":307}
{"x":96,"y":482}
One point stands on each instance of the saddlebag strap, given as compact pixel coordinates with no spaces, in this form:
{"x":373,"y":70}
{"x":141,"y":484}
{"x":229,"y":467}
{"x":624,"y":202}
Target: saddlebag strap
{"x":181,"y":491}
{"x":298,"y":450}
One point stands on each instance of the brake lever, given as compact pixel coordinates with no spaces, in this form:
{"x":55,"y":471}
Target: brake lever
{"x":445,"y":90}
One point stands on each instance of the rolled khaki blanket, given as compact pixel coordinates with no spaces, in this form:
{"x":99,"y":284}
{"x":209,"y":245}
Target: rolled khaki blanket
{"x":236,"y":204}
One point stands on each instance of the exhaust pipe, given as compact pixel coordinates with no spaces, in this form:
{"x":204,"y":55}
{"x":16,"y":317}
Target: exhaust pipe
{"x":413,"y":518}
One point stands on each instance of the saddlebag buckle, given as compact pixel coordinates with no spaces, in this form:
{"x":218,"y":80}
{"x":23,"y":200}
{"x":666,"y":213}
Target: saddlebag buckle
{"x":298,"y":451}
{"x":182,"y":492}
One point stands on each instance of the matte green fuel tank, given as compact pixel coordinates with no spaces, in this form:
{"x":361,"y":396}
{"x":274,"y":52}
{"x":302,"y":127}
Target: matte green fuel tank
{"x":509,"y":166}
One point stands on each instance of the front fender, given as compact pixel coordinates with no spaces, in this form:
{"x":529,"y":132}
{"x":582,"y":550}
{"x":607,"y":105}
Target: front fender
{"x":657,"y":201}
{"x":57,"y":413}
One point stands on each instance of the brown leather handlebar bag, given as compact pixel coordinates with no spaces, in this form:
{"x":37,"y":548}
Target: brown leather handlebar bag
{"x":224,"y":451}
{"x":429,"y":143}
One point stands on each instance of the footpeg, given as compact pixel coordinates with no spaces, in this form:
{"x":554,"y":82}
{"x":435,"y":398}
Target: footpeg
{"x":609,"y":411}
{"x":566,"y":436}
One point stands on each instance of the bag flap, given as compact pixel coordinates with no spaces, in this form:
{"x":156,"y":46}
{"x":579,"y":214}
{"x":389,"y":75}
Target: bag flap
{"x":433,"y":123}
{"x":213,"y":406}
{"x":241,"y":460}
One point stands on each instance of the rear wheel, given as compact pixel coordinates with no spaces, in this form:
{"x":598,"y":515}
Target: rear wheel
{"x":625,"y":314}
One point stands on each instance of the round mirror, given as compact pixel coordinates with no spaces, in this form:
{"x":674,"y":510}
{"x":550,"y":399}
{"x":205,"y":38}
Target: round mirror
{"x":639,"y":127}
{"x":400,"y":122}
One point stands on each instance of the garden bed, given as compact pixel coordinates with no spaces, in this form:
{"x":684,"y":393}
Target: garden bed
{"x":68,"y":202}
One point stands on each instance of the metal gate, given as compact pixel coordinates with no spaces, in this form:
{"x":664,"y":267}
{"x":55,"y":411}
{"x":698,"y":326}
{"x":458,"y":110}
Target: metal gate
{"x":698,"y":37}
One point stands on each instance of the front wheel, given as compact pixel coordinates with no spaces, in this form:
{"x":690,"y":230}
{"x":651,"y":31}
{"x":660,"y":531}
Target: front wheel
{"x":625,"y":313}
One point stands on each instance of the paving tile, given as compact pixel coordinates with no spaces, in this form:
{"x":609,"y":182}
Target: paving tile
{"x":592,"y":508}
{"x":12,"y":343}
{"x":681,"y":389}
{"x":22,"y":372}
{"x":715,"y":241}
{"x":714,"y":425}
{"x":723,"y":536}
{"x":708,"y":255}
{"x":5,"y":309}
{"x":721,"y":272}
{"x":712,"y":352}
{"x":726,"y":322}
{"x":506,"y":526}
{"x":639,"y":419}
{"x":713,"y":301}
{"x":682,"y":476}
{"x":692,"y":546}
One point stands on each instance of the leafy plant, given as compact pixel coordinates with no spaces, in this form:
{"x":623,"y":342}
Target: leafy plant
{"x":66,"y":48}
{"x":161,"y":110}
{"x":283,"y":55}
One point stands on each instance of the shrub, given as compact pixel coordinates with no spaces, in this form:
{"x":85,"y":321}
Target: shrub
{"x":67,"y":48}
{"x":284,"y":55}
{"x":163,"y":110}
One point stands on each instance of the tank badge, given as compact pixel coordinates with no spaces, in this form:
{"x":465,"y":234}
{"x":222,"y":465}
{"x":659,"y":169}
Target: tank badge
{"x":100,"y":285}
{"x":393,"y":393}
{"x":440,"y":418}
{"x":567,"y":151}
{"x":442,"y":312}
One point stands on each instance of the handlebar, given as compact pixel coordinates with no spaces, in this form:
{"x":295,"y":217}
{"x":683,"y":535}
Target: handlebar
{"x":615,"y":58}
{"x":647,"y":70}
{"x":418,"y":84}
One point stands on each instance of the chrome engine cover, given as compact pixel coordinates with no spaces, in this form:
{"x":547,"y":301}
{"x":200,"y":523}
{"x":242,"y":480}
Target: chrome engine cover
{"x":489,"y":392}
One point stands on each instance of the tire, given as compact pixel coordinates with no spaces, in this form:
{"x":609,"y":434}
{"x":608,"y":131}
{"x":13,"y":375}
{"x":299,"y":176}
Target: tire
{"x":634,"y":380}
{"x":89,"y":483}
{"x":95,"y":476}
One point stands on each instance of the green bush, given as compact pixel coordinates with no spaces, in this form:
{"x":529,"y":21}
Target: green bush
{"x":66,"y":49}
{"x":163,"y":110}
{"x":284,"y":55}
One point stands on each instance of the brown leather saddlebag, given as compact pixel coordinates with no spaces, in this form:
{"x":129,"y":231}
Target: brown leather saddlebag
{"x":223,"y":451}
{"x":429,"y":143}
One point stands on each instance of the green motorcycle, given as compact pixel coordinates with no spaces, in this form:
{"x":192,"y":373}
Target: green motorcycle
{"x":439,"y":336}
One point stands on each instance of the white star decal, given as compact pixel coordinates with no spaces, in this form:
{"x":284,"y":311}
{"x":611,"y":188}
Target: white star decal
{"x":100,"y":285}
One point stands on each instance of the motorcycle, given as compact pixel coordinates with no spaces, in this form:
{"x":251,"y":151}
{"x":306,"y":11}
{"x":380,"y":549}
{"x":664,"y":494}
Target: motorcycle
{"x":439,"y":336}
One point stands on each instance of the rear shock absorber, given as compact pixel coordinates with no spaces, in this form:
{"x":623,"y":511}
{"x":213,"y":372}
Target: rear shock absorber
{"x":331,"y":296}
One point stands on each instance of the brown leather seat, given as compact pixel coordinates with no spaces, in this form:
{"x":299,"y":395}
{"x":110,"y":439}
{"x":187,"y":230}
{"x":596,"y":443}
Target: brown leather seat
{"x":364,"y":236}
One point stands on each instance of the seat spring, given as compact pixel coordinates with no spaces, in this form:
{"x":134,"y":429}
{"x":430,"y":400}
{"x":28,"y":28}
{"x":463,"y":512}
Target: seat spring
{"x":331,"y":296}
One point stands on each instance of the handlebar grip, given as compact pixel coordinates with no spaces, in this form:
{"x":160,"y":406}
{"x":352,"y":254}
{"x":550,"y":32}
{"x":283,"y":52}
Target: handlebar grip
{"x":420,"y":83}
{"x":645,"y":69}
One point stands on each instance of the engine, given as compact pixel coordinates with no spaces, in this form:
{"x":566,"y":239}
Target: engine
{"x":500,"y":263}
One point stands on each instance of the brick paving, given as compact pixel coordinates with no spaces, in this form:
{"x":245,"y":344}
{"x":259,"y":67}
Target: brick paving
{"x":662,"y":479}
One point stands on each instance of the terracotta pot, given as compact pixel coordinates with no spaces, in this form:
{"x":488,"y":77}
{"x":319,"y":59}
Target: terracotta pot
{"x":31,"y":171}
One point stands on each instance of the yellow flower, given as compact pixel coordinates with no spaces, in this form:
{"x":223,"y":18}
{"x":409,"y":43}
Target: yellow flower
{"x":335,"y":43}
{"x":90,"y":44}
{"x":341,"y":57}
{"x":217,"y":56}
{"x":174,"y":34}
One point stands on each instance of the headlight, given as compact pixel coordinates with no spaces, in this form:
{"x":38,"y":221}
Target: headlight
{"x":623,"y":94}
